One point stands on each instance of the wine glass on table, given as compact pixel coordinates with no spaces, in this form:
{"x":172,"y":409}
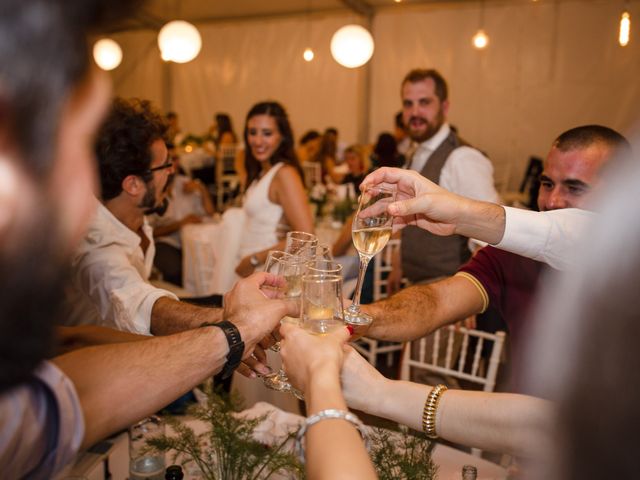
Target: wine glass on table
{"x":370,"y":231}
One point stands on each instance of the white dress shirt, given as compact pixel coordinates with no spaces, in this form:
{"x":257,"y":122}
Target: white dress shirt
{"x":110,"y":277}
{"x":550,"y":237}
{"x":466,"y":172}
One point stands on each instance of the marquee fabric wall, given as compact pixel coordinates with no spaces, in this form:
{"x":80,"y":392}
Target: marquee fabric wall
{"x":550,"y":66}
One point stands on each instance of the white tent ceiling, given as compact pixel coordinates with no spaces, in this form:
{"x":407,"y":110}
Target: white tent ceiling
{"x":157,"y":12}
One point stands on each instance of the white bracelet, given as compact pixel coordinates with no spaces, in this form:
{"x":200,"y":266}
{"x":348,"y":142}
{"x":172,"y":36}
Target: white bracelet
{"x":323,"y":415}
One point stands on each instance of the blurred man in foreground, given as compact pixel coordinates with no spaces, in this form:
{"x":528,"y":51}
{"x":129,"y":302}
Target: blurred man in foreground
{"x":52,"y":103}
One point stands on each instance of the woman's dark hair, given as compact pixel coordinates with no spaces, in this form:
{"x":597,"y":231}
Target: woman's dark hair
{"x":284,"y":153}
{"x":386,"y":151}
{"x":310,"y":135}
{"x":224,"y":125}
{"x":124,"y":141}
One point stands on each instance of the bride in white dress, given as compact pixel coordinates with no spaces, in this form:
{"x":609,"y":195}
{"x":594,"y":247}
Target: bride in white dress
{"x":275,"y":201}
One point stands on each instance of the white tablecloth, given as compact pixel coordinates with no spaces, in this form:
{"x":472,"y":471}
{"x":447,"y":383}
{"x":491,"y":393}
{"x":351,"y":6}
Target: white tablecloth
{"x":209,"y":254}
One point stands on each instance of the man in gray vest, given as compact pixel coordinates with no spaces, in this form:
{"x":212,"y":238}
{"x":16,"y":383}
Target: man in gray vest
{"x":444,"y":158}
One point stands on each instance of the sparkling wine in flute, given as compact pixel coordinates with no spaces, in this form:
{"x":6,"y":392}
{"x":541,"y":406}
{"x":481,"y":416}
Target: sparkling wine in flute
{"x":321,"y":320}
{"x":371,"y":240}
{"x":294,"y":285}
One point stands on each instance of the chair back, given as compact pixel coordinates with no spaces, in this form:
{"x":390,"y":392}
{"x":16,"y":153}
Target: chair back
{"x":312,"y":172}
{"x":467,"y":365}
{"x":227,"y":179}
{"x":382,"y":266}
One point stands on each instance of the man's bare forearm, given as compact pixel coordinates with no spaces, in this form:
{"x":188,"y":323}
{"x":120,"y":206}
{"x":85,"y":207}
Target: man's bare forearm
{"x":72,"y":338}
{"x":407,"y":315}
{"x":483,"y":221}
{"x":419,"y":310}
{"x":120,"y":383}
{"x":171,"y":316}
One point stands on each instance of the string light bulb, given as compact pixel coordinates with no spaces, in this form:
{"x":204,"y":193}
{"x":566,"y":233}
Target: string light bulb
{"x":308,"y":54}
{"x":107,"y":54}
{"x":480,"y":40}
{"x":625,"y":29}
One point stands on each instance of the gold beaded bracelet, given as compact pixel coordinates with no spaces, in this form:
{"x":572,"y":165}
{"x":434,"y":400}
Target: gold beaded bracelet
{"x":430,"y":409}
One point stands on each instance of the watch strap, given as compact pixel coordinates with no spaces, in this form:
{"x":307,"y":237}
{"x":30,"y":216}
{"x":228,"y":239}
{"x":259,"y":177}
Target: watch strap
{"x":236,"y":345}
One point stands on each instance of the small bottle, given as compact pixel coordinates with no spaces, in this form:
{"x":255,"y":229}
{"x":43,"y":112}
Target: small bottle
{"x":173,"y":472}
{"x":469,"y":472}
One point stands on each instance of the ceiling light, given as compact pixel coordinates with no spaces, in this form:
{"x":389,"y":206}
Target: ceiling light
{"x":179,"y":41}
{"x":352,"y":46}
{"x":107,"y":54}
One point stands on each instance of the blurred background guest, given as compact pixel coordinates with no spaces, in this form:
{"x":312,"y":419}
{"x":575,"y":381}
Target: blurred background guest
{"x":400,"y":134}
{"x":189,"y":202}
{"x":385,"y":153}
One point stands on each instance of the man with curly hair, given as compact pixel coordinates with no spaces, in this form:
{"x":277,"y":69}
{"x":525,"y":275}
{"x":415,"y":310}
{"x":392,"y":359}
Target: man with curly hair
{"x":112,"y":266}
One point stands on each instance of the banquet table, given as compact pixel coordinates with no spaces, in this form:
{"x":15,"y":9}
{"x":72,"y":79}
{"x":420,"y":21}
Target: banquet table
{"x":116,"y":459}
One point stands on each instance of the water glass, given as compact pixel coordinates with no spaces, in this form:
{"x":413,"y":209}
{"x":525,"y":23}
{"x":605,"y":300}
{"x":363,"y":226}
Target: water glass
{"x":145,"y":465}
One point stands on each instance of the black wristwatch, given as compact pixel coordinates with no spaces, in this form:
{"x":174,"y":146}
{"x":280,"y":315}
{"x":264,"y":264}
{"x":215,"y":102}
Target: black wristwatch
{"x":236,"y":346}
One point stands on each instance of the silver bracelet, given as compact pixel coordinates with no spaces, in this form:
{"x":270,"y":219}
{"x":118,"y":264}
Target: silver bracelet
{"x":323,"y":415}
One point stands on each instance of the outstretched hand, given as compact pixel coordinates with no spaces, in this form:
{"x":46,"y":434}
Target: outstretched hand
{"x":256,"y":312}
{"x":305,"y":355}
{"x":419,"y":201}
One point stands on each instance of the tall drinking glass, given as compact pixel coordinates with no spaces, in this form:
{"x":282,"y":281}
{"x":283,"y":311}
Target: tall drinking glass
{"x":322,"y":266}
{"x":321,"y":308}
{"x":144,"y":464}
{"x":370,"y":231}
{"x":302,"y":244}
{"x":292,"y":268}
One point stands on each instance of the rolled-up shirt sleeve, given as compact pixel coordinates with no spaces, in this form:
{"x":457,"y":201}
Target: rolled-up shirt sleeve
{"x":549,"y":237}
{"x":123,"y":298}
{"x":41,"y":425}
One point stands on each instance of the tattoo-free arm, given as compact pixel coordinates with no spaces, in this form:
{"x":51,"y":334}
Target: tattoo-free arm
{"x":171,"y":316}
{"x":419,"y":310}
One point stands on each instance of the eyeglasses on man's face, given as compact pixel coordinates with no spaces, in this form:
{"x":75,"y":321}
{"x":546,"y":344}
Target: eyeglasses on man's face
{"x":168,"y":164}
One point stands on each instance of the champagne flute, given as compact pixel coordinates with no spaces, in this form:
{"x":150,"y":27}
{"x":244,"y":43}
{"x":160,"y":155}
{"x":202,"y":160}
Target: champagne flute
{"x":370,"y":231}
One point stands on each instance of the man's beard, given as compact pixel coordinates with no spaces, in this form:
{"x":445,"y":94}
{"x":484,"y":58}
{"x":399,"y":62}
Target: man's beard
{"x":149,"y":204}
{"x":432,"y":128}
{"x":32,"y":285}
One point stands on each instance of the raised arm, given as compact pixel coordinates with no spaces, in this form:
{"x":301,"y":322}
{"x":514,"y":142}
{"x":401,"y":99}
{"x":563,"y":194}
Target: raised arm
{"x":498,"y":422}
{"x":313,"y":364}
{"x":156,"y":371}
{"x":172,"y":316}
{"x":73,"y":338}
{"x":549,"y":237}
{"x":419,"y":310}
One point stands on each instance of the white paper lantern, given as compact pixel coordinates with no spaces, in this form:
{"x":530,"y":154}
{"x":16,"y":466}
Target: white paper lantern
{"x":179,"y":41}
{"x":107,"y":54}
{"x":352,"y":46}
